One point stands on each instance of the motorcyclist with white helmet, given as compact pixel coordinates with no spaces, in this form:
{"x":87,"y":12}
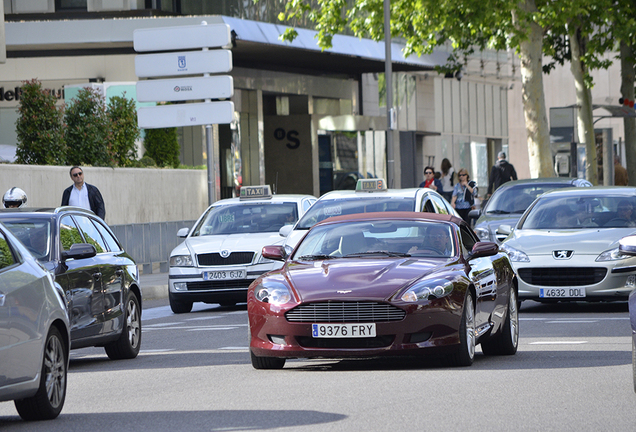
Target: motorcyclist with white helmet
{"x":14,"y":198}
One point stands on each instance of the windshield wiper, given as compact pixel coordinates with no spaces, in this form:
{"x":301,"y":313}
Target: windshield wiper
{"x":380,"y":252}
{"x":497,"y":212}
{"x":315,"y":257}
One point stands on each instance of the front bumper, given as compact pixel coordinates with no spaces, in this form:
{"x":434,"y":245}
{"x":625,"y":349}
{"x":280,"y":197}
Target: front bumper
{"x":602,"y":281}
{"x":429,"y":330}
{"x":188,"y":284}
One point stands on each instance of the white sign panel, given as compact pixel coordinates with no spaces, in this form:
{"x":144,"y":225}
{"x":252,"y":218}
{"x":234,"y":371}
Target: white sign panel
{"x":181,"y":38}
{"x":181,"y":89}
{"x":183,"y":63}
{"x":189,"y":114}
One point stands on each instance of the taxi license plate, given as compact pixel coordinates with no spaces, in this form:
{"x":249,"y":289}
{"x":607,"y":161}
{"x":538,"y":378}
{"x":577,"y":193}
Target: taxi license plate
{"x":343,"y":330}
{"x":561,"y":292}
{"x":224,"y":274}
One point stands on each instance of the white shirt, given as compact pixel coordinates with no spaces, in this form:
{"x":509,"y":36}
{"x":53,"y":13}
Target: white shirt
{"x":79,"y":197}
{"x":446,"y":180}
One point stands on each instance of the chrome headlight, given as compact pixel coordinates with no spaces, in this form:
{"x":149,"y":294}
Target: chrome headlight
{"x":181,"y":261}
{"x":483,"y":234}
{"x":514,"y":254}
{"x":272,"y":292}
{"x":428,"y":290}
{"x":611,"y":255}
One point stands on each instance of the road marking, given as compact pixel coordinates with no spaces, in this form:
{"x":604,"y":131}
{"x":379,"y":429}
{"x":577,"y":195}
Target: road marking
{"x":571,"y":322}
{"x":211,"y":328}
{"x":235,"y":348}
{"x":163,"y":324}
{"x":557,"y":343}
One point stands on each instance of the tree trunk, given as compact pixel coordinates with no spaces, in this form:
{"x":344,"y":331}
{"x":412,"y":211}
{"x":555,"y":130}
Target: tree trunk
{"x":629,"y":123}
{"x":531,"y":56}
{"x":584,"y":122}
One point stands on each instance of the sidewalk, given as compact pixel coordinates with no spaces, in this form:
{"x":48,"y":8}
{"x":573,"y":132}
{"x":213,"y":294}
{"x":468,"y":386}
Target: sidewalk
{"x":154,"y":285}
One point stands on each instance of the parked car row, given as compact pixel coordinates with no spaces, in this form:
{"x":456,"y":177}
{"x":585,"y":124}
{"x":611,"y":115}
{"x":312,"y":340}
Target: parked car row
{"x":65,"y":283}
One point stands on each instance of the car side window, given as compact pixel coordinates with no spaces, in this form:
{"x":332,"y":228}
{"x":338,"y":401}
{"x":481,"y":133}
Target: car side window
{"x":6,"y":254}
{"x":468,"y":241}
{"x":439,"y":204}
{"x":111,"y":241}
{"x":427,"y":206}
{"x":91,"y":234}
{"x":69,"y":233}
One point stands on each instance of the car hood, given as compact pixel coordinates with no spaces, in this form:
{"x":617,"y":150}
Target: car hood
{"x":231,"y":242}
{"x":355,"y":278}
{"x":591,"y":241}
{"x":492,"y":222}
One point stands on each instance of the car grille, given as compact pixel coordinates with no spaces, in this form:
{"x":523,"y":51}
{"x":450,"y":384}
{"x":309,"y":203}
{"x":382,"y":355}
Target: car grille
{"x":345,"y":312}
{"x":215,"y":259}
{"x":219,"y":285}
{"x":373,"y":342}
{"x":562,"y":276}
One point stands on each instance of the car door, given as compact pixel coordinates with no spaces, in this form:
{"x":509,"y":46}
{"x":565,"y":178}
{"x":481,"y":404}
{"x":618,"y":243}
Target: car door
{"x":21,"y":301}
{"x":111,"y":272}
{"x":483,"y":275}
{"x":81,"y":279}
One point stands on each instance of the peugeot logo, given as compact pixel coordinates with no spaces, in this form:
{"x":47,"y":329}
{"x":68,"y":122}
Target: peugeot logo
{"x":225,"y":253}
{"x":562,"y":254}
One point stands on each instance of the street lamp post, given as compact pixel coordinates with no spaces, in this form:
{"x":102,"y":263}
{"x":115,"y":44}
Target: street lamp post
{"x":388,"y":72}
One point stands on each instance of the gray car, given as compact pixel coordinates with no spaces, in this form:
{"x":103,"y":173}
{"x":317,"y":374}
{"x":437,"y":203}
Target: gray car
{"x":565,"y":247}
{"x":34,"y":333}
{"x":511,"y":199}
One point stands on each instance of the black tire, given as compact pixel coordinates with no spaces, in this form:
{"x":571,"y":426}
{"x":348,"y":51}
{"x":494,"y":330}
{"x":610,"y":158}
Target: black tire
{"x":179,"y":306}
{"x":506,"y":341}
{"x":465,"y":354}
{"x":129,"y":342}
{"x":47,"y":403}
{"x":267,"y":362}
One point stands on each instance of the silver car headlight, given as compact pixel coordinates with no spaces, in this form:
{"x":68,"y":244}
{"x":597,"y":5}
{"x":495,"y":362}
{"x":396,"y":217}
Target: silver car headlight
{"x":181,"y":261}
{"x":428,"y":290}
{"x":514,"y":254}
{"x":611,"y":255}
{"x":272,"y":292}
{"x":483,"y":234}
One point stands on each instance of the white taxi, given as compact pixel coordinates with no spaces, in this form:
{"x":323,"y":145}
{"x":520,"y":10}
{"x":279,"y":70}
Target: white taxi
{"x":370,"y":195}
{"x":221,"y":254}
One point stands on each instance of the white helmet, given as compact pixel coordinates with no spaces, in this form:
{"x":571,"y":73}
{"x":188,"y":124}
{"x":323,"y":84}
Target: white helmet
{"x":14,"y":197}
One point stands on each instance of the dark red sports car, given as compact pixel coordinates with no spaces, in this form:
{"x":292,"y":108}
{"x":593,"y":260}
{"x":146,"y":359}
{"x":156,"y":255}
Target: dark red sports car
{"x":378,"y":284}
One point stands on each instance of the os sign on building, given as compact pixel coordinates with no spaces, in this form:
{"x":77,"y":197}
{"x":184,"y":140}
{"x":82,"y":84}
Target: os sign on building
{"x":181,"y":66}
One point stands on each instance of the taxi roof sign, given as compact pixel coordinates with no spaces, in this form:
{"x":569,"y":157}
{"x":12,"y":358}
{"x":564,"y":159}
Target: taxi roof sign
{"x":371,"y":185}
{"x":252,"y":192}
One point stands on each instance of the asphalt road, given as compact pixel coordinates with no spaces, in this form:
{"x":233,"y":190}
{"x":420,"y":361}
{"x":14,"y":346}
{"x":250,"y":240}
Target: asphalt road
{"x":572,"y":373}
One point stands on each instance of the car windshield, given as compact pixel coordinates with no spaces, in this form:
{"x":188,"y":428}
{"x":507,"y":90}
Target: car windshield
{"x":578,"y":212}
{"x":386,"y":238}
{"x":34,"y":233}
{"x":247,"y":218}
{"x":516,"y":199}
{"x":324,"y":209}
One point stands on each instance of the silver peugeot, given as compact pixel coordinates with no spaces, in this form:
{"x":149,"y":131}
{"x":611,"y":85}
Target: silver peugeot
{"x":565,"y":247}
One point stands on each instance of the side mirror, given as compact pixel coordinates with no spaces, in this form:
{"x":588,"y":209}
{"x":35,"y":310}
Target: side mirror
{"x":474,"y":214}
{"x":484,"y":249}
{"x":183,"y":232}
{"x":276,"y":253}
{"x":627,"y":245}
{"x":285,"y":230}
{"x":504,"y":229}
{"x":79,"y":251}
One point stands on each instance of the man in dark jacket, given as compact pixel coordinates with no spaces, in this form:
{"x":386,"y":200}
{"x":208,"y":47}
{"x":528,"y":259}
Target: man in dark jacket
{"x":501,"y":172}
{"x":83,"y":195}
